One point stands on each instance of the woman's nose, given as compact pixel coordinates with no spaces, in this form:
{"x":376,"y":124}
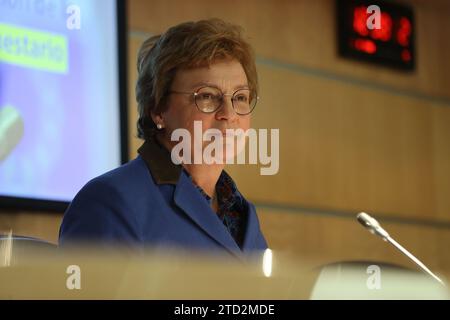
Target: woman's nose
{"x":226,"y":111}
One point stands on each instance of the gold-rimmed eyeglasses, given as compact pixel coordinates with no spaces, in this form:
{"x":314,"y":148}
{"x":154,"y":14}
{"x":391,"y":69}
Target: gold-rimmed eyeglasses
{"x":210,"y":99}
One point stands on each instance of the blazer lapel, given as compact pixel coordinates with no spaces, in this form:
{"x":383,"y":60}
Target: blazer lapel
{"x":190,"y":200}
{"x":251,"y":231}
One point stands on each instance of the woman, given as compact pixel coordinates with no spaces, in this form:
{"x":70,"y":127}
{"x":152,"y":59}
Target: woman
{"x":196,"y":74}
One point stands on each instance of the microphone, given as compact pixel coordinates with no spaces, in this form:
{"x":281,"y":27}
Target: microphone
{"x":374,"y":227}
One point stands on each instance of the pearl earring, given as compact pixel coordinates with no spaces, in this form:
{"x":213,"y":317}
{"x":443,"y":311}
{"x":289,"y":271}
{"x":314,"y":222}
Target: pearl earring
{"x":159,"y":126}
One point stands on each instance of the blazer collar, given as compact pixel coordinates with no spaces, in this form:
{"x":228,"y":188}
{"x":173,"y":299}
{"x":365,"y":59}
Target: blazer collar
{"x":159,"y":163}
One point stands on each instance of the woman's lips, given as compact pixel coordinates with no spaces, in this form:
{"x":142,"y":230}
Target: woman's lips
{"x":228,"y":133}
{"x":223,"y":133}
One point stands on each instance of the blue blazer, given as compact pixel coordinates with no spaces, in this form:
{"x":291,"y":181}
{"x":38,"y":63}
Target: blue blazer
{"x":150,"y":201}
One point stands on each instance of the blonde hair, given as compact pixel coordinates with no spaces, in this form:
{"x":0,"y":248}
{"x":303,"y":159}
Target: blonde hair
{"x":187,"y":45}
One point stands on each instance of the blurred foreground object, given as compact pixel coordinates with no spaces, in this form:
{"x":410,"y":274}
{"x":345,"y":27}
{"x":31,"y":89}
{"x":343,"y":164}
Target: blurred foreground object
{"x":89,"y":273}
{"x":368,"y":280}
{"x":38,"y":270}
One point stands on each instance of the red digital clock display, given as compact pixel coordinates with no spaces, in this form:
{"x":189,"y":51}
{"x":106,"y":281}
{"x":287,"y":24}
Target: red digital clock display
{"x":377,"y":32}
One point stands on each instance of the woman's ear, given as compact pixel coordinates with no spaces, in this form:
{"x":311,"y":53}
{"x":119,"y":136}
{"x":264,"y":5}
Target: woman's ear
{"x":157,"y":119}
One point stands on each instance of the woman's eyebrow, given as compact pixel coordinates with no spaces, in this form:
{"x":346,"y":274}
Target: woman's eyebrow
{"x":242,"y":86}
{"x":204,"y":84}
{"x":209,"y":84}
